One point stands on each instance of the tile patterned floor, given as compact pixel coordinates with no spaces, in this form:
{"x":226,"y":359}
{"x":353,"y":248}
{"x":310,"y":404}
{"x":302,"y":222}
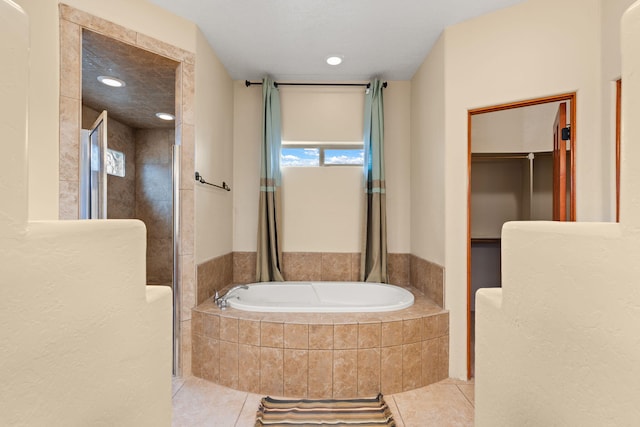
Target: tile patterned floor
{"x":200,"y":403}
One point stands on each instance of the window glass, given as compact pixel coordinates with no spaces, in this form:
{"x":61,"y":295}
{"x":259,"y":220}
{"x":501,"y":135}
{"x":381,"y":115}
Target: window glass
{"x":115,"y":162}
{"x":343,"y":156}
{"x":300,"y":156}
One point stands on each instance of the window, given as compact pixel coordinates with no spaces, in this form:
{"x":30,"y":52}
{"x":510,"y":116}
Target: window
{"x":310,"y":155}
{"x":115,"y":162}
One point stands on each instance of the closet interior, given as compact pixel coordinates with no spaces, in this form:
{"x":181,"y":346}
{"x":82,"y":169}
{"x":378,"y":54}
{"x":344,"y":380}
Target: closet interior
{"x":512,"y":178}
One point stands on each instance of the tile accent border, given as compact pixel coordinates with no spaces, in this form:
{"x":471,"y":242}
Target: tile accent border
{"x":322,"y":355}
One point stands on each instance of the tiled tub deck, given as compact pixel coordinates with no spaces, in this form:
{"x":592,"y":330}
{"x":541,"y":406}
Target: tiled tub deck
{"x":322,"y":355}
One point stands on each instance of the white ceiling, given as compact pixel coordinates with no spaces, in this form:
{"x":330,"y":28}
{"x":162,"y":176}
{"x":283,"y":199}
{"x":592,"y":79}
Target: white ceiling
{"x":290,"y":39}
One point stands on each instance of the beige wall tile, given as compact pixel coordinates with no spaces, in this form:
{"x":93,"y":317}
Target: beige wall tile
{"x":443,"y":357}
{"x":244,"y":267}
{"x":391,"y":370}
{"x":271,"y":371}
{"x":206,"y":356}
{"x":70,"y":64}
{"x":69,"y":156}
{"x":187,"y":159}
{"x":345,"y":336}
{"x":391,"y":333}
{"x":411,"y":330}
{"x":320,"y":378}
{"x":368,"y":372}
{"x":187,"y":284}
{"x":188,"y":92}
{"x":68,"y":206}
{"x":320,"y":337}
{"x":187,"y":222}
{"x":163,"y":49}
{"x":442,"y":324}
{"x":369,"y":335}
{"x":355,"y":267}
{"x":229,"y":364}
{"x":197,"y":323}
{"x":296,"y":336}
{"x":399,"y":271}
{"x":229,"y":329}
{"x":186,"y":346}
{"x":97,"y":24}
{"x":272,"y":334}
{"x":429,"y":327}
{"x":249,"y":332}
{"x":345,"y":373}
{"x":411,"y":366}
{"x":249,"y":368}
{"x":336,"y":267}
{"x":302,"y":266}
{"x":430,"y":356}
{"x":296,"y":371}
{"x":212,"y":326}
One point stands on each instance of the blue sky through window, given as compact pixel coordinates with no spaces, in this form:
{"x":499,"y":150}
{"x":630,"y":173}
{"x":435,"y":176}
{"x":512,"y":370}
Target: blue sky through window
{"x":310,"y":156}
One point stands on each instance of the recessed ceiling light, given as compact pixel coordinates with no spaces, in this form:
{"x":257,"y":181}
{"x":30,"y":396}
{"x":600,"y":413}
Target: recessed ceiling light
{"x":111,"y":81}
{"x":334,"y":60}
{"x":165,"y":116}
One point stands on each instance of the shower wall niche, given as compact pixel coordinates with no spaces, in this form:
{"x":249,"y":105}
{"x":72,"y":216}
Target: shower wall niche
{"x":145,"y":191}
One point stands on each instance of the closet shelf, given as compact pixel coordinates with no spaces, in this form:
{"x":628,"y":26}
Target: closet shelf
{"x":486,"y":240}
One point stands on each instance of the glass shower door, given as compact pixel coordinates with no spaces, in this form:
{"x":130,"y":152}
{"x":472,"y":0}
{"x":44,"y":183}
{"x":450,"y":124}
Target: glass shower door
{"x":93,"y":172}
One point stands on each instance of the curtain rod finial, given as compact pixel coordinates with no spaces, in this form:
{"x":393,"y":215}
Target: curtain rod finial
{"x":247,"y":83}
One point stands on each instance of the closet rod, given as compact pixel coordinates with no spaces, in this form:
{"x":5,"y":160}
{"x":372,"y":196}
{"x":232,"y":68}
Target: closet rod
{"x":477,"y":156}
{"x":247,"y":83}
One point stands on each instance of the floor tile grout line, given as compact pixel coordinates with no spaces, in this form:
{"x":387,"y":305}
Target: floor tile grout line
{"x":173,"y":395}
{"x":246,"y":397}
{"x":465,"y":396}
{"x":398,"y":408}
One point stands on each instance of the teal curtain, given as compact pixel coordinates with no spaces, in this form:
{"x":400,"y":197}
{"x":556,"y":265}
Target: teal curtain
{"x":269,"y":254}
{"x":373,"y":263}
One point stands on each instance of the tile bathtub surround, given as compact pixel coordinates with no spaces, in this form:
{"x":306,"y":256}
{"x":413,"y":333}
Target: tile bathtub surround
{"x":216,"y":273}
{"x":321,"y":266}
{"x":322,"y":355}
{"x":429,"y":278}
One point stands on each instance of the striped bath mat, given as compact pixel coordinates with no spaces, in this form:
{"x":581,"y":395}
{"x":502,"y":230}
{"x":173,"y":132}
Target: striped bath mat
{"x":332,"y":412}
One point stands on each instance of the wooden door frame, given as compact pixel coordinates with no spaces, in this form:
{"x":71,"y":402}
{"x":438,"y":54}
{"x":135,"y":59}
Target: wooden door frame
{"x":572,"y":97}
{"x":618,"y":137}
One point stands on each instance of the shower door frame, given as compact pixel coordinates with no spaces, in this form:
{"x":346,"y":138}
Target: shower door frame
{"x":72,"y":22}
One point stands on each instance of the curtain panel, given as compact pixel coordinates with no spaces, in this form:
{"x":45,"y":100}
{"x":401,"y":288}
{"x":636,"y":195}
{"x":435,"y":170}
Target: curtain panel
{"x":269,"y":252}
{"x":373,"y":263}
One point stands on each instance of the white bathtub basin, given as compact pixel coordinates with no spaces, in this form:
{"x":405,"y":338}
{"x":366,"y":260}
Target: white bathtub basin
{"x":320,"y":297}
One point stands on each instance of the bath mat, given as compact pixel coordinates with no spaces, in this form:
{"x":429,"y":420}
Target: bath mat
{"x":327,"y":412}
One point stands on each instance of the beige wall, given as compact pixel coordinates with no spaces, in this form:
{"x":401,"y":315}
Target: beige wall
{"x":427,"y":157}
{"x":44,"y":80}
{"x":555,"y":346}
{"x":611,"y":12}
{"x":482,"y":67}
{"x":321,"y":206}
{"x":84,"y":343}
{"x":214,"y":154}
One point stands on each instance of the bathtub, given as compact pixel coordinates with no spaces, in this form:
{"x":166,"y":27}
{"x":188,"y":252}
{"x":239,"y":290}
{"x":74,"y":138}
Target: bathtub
{"x":320,"y":297}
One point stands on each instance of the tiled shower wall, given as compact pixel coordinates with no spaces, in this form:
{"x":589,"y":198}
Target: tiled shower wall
{"x":145,"y":190}
{"x":72,"y":22}
{"x":154,"y":200}
{"x":240,"y":267}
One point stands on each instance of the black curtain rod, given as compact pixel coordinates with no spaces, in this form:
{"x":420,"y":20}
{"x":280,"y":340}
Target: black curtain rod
{"x":276,"y":84}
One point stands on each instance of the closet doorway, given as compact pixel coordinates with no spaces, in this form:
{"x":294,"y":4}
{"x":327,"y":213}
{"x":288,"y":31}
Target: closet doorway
{"x":521,"y":167}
